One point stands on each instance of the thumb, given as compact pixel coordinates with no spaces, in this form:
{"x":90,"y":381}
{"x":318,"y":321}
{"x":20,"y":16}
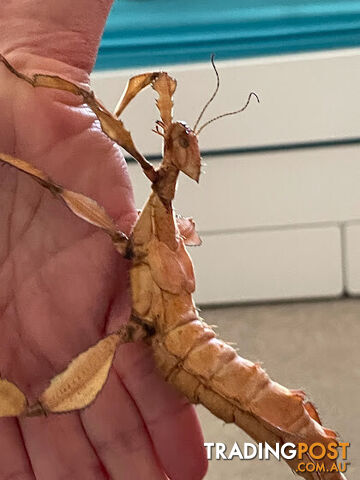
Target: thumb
{"x":53,"y":34}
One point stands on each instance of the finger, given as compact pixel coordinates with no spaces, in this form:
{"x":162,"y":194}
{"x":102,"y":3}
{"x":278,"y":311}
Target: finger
{"x":117,"y":431}
{"x":58,"y":449}
{"x":14,"y":461}
{"x":171,"y":421}
{"x":76,"y":26}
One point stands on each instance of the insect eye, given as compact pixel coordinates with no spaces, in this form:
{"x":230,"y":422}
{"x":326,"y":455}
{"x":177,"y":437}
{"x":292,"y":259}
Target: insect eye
{"x":184,"y":142}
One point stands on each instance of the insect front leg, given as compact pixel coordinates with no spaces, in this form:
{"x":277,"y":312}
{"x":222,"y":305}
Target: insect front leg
{"x":110,"y":125}
{"x":161,"y":82}
{"x":133,"y":87}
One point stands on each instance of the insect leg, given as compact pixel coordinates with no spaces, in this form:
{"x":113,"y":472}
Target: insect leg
{"x":80,"y":383}
{"x":133,"y":87}
{"x":187,"y":231}
{"x":161,"y":82}
{"x":111,"y":126}
{"x":84,"y":207}
{"x":12,"y":400}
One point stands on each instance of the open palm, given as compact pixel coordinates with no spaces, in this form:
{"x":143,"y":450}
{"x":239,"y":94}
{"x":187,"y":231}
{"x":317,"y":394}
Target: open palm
{"x":63,"y":286}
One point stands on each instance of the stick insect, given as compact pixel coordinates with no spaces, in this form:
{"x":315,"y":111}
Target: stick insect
{"x":186,"y":350}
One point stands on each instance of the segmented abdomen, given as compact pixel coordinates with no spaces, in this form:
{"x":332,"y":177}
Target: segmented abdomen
{"x":205,"y":369}
{"x":208,"y":371}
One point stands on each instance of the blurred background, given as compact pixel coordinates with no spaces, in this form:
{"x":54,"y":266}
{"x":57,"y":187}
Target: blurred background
{"x":278,"y":207}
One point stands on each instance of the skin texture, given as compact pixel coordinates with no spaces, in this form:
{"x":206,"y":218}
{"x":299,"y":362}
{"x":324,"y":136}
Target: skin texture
{"x":62,"y":284}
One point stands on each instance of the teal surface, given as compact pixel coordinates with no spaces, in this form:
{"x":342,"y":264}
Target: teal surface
{"x":155,"y":32}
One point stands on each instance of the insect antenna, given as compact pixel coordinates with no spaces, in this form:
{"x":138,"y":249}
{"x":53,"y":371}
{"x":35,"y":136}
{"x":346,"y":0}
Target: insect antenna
{"x":212,"y":96}
{"x":229,"y":113}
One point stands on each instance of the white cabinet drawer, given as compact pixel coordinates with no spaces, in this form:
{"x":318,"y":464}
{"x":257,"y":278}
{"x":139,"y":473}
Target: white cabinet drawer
{"x":304,"y":98}
{"x":352,"y":258}
{"x":269,"y":265}
{"x":269,"y":189}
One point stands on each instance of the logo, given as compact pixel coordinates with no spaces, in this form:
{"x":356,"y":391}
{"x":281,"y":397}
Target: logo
{"x":315,"y":457}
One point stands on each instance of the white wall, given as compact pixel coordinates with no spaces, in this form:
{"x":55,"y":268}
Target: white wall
{"x":275,"y":224}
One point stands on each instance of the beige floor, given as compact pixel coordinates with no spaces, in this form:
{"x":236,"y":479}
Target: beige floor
{"x":311,"y":346}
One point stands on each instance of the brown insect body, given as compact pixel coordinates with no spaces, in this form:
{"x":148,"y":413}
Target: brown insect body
{"x":185,"y":348}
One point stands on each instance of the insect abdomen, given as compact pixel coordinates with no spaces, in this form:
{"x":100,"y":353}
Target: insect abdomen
{"x":208,"y":371}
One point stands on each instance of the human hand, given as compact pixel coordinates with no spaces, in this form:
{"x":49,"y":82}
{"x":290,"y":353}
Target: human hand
{"x":63,"y":286}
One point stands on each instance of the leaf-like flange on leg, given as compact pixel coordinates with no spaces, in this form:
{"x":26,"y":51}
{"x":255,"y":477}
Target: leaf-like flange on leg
{"x":115,"y":130}
{"x":186,"y":226}
{"x":84,"y":207}
{"x":165,"y":86}
{"x":133,"y":87}
{"x":78,"y":386}
{"x":48,"y":81}
{"x":12,"y":401}
{"x":112,"y":127}
{"x":80,"y":383}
